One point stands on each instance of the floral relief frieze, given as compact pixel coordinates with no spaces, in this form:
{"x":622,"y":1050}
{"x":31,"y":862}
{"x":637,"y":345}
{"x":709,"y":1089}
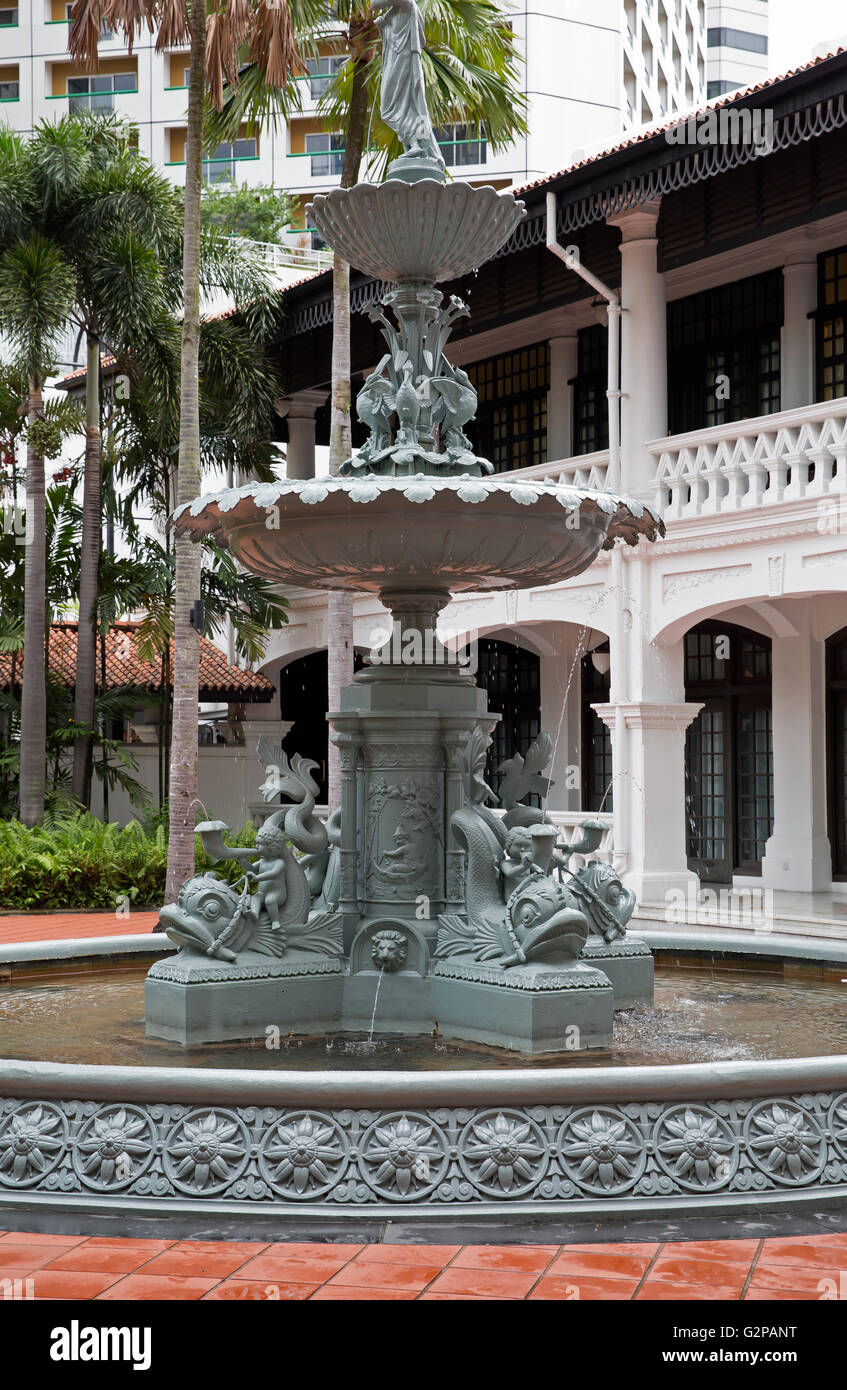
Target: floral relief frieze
{"x":536,"y":1154}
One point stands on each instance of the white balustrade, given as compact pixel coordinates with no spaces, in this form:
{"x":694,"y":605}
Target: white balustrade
{"x":786,"y":457}
{"x":583,"y":470}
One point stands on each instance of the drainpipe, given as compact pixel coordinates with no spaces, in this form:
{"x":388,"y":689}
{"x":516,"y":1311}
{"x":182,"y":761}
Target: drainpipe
{"x":617,"y":691}
{"x":613,"y":312}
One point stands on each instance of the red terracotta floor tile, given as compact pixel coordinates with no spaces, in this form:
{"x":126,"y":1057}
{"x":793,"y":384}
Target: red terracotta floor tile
{"x":780,"y":1296}
{"x":407,"y":1254}
{"x":664,"y":1291}
{"x":212,"y":1264}
{"x":461,"y":1298}
{"x":248,"y":1248}
{"x":14,"y":1257}
{"x":620,"y":1247}
{"x":808,"y":1250}
{"x":571,"y":1264}
{"x":146,"y":1247}
{"x":385,"y":1276}
{"x":675,"y":1269}
{"x":142,"y":1287}
{"x":96,"y":1257}
{"x":316,"y":1249}
{"x":336,"y":1292}
{"x":529,"y":1259}
{"x":772,"y":1274}
{"x":581,"y":1289}
{"x":727,"y":1251}
{"x":259,"y":1290}
{"x":39,"y":1238}
{"x":485,"y":1283}
{"x":72,"y":1283}
{"x":294,"y":1269}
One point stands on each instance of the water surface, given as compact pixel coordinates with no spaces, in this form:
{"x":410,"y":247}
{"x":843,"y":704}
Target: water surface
{"x":699,"y":1015}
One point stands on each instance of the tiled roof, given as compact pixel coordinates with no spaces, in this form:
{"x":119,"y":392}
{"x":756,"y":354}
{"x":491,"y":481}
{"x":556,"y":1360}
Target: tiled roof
{"x":652,"y":131}
{"x":124,"y":666}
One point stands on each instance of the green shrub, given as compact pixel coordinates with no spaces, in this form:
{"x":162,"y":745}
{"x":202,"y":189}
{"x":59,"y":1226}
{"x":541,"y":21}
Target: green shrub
{"x":78,"y":862}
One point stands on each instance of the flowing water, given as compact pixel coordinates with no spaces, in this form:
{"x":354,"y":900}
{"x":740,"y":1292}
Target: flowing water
{"x":705,"y":1014}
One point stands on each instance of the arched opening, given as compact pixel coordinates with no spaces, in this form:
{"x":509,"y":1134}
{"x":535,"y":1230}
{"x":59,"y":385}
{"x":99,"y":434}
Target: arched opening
{"x":303,"y":686}
{"x":836,"y":711}
{"x":729,"y":750}
{"x":597,"y":791}
{"x":512,"y":677}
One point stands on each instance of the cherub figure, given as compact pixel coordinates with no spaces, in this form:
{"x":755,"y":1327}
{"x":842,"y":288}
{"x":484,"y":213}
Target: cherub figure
{"x":519,"y":862}
{"x":270,"y":875}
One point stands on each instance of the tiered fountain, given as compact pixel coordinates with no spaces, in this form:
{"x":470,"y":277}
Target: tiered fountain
{"x":460,"y":919}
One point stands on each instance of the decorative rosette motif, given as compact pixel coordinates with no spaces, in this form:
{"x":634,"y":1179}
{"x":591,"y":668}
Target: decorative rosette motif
{"x":602,"y":1151}
{"x":304,"y":1155}
{"x":403,"y":1156}
{"x":114,"y":1147}
{"x":206,"y":1151}
{"x":503,"y":1153}
{"x":31,"y":1144}
{"x":696,"y":1148}
{"x":786,"y":1142}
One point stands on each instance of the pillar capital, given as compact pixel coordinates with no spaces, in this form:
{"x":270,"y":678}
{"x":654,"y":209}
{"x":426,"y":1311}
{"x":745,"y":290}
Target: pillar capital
{"x":302,"y":405}
{"x":638,"y":223}
{"x":640,"y":715}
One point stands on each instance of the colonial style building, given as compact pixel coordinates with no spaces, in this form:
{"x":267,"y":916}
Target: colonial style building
{"x":696,"y":689}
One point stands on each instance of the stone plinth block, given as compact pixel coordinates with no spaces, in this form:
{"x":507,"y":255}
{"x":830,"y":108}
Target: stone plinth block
{"x":628,"y":963}
{"x":529,"y":1009}
{"x":194,"y":1000}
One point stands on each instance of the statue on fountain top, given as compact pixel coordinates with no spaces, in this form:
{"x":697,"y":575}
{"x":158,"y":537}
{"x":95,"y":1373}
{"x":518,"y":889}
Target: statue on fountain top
{"x":403,"y":97}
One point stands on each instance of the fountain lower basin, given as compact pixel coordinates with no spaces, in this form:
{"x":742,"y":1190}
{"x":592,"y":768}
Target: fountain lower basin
{"x":429,"y":1131}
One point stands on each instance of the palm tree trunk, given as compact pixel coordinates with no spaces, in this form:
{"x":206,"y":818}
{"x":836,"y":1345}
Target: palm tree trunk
{"x":183,"y":764}
{"x":34,"y":690}
{"x":340,"y":647}
{"x":89,"y":562}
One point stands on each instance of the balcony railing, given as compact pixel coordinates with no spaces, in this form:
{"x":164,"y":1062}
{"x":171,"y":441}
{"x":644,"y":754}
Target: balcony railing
{"x":785,"y":457}
{"x":583,"y":470}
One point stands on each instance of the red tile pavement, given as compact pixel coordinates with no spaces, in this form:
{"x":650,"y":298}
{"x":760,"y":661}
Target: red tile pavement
{"x":108,"y":1267}
{"x":59,"y":926}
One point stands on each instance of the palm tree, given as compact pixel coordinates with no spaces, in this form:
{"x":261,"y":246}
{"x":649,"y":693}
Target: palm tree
{"x":118,"y":224}
{"x":216,"y":39}
{"x":471,"y":75}
{"x":36,"y":293}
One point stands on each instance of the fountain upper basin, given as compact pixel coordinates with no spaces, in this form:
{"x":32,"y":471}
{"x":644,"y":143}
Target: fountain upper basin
{"x":425,"y":231}
{"x":460,"y":533}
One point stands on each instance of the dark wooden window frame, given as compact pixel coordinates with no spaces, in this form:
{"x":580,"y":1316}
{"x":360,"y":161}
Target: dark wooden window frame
{"x":733,"y":695}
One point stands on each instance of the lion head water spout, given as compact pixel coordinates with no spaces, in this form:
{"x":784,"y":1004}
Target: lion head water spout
{"x":447,"y":911}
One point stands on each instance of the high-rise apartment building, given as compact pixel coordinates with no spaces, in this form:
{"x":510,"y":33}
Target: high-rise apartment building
{"x":737,"y":40}
{"x":592,"y":69}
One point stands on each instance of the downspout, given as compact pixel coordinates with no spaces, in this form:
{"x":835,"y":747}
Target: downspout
{"x":613,"y":312}
{"x":618,"y":687}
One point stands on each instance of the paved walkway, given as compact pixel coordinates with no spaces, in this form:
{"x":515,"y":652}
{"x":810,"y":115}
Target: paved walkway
{"x":78,"y":1267}
{"x":55,"y":926}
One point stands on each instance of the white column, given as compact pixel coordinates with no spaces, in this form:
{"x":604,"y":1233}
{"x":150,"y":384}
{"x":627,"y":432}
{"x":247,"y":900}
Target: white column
{"x":797,"y":856}
{"x":563,"y":368}
{"x":647,"y":715}
{"x":797,"y":355}
{"x":644,"y":368}
{"x":299,"y":411}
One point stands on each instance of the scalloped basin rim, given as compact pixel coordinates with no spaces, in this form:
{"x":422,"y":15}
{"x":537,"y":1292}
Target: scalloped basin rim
{"x":419,"y":489}
{"x":380,"y":534}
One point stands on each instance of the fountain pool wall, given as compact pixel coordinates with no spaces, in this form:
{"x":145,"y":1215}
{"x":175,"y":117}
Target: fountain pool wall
{"x":201,"y":1148}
